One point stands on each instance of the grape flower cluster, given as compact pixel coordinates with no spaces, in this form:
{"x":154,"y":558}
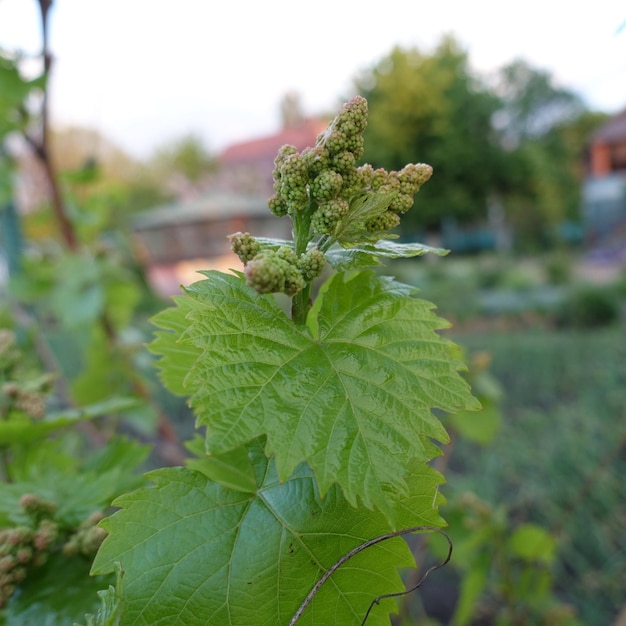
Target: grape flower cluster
{"x":26,"y":397}
{"x":317,"y":188}
{"x":30,"y":545}
{"x":25,"y":546}
{"x":278,"y":270}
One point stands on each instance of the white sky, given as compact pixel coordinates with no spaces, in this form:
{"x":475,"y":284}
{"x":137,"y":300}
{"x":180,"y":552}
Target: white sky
{"x":147,"y":71}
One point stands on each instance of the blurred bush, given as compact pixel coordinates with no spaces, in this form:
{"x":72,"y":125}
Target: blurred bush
{"x":590,"y":306}
{"x":559,"y":269}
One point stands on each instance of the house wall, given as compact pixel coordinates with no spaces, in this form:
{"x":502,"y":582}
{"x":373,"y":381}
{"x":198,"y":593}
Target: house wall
{"x":202,"y":238}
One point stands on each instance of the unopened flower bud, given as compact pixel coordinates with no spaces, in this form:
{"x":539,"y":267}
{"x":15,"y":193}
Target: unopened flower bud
{"x":35,"y":506}
{"x":244,"y":246}
{"x":385,"y":221}
{"x":311,"y":264}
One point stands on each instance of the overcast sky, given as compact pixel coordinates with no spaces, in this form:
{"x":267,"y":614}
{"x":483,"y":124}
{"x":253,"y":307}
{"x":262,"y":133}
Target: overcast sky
{"x":146,"y":71}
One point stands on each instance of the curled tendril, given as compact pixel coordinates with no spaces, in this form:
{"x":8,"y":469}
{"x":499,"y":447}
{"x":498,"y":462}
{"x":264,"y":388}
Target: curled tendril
{"x":364,"y":546}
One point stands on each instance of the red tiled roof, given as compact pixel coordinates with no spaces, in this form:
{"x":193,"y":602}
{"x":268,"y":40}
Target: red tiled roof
{"x":265,"y":148}
{"x":613,"y":130}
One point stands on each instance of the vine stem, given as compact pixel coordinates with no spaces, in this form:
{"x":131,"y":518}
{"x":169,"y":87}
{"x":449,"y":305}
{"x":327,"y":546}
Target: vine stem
{"x":41,"y":147}
{"x":301,"y":302}
{"x":360,"y":548}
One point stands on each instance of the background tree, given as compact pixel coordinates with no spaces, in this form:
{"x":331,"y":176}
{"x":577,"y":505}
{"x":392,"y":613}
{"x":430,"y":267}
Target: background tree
{"x":519,"y":139}
{"x":186,"y":164}
{"x":545,"y":128}
{"x":433,"y":107}
{"x":532,"y":104}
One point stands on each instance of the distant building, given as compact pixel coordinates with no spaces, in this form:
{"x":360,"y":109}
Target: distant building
{"x":604,"y":190}
{"x":608,"y":148}
{"x":248,"y":166}
{"x":178,"y":239}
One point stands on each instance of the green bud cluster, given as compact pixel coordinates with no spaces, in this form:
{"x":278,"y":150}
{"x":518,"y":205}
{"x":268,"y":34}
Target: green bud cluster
{"x":328,"y":215}
{"x":275,"y":271}
{"x":88,"y":537}
{"x":244,"y":246}
{"x":326,"y":186}
{"x":9,"y":354}
{"x":290,"y":182}
{"x":316,"y":160}
{"x":383,"y":222}
{"x":28,"y":546}
{"x":25,"y":547}
{"x":324,"y":179}
{"x":311,"y":264}
{"x":17,"y":391}
{"x":35,"y":507}
{"x":30,"y":401}
{"x":278,"y":270}
{"x":329,"y":200}
{"x":401,"y":186}
{"x":342,"y":146}
{"x":313,"y":180}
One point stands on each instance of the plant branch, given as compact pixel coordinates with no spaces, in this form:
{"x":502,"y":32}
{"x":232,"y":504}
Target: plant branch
{"x":301,"y":302}
{"x":41,"y":147}
{"x":357,"y":550}
{"x":300,"y":305}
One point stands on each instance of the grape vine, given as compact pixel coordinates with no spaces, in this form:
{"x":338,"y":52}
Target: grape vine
{"x":317,"y":427}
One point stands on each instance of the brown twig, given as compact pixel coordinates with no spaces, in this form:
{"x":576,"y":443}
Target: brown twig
{"x":357,"y":550}
{"x":41,"y":146}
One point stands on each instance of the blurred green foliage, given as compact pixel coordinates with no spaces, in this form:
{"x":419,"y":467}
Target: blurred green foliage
{"x":506,"y":290}
{"x":558,"y":460}
{"x":589,"y":306}
{"x":55,"y":485}
{"x":72,"y":377}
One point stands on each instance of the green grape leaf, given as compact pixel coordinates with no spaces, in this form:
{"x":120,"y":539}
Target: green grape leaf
{"x":56,"y":594}
{"x":230,"y":469}
{"x":395,"y":250}
{"x":351,"y":229}
{"x":77,"y":487}
{"x":355,"y":257}
{"x":194,"y":552}
{"x":26,"y":430}
{"x":110,"y":611}
{"x":182,"y":357}
{"x":532,"y":543}
{"x":351,"y":393}
{"x":343,"y":259}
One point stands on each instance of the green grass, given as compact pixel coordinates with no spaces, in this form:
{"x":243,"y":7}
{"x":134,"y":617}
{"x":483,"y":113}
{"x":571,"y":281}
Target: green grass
{"x":560,"y":457}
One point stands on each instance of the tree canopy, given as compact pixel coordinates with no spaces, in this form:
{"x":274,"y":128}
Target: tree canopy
{"x":518,"y":138}
{"x":432,"y":108}
{"x":545,"y":129}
